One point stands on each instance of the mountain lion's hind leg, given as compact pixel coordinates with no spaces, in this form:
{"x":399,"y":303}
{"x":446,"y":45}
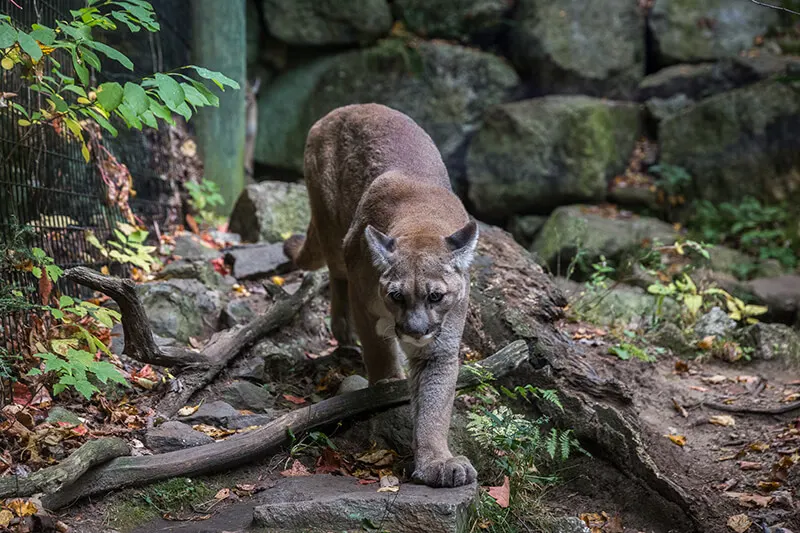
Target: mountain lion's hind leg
{"x":379,"y":349}
{"x":341,"y":316}
{"x":305,"y":251}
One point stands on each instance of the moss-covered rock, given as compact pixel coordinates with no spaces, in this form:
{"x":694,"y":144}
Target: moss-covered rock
{"x":445,"y":88}
{"x":181,"y":308}
{"x":576,"y":229}
{"x":318,"y":22}
{"x":772,"y":342}
{"x":454,"y":19}
{"x":534,"y":155}
{"x":702,"y":30}
{"x":269,"y":210}
{"x":576,"y":46}
{"x":739,"y":143}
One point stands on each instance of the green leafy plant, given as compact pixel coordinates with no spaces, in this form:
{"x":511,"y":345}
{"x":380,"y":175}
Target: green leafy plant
{"x":128,"y":247}
{"x":68,"y":100}
{"x":75,"y":369}
{"x":761,"y":230}
{"x":626,"y":350}
{"x":203,"y":198}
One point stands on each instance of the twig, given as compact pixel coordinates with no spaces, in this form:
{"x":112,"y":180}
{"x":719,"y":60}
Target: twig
{"x":780,"y":8}
{"x":246,"y":447}
{"x":789,"y":407}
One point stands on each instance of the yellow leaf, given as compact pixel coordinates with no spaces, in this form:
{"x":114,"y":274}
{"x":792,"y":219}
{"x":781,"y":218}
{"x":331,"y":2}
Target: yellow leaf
{"x":722,"y":420}
{"x":85,"y":152}
{"x":739,"y":523}
{"x":105,"y":271}
{"x":693,"y":302}
{"x":754,"y":310}
{"x":188,"y":410}
{"x":680,"y":440}
{"x":731,"y":305}
{"x":22,"y":508}
{"x":223,"y":494}
{"x":7,"y":63}
{"x":5,"y":517}
{"x":277,"y":280}
{"x":23,"y":122}
{"x":84,"y":100}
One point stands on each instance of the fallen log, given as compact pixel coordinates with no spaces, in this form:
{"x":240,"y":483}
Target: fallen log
{"x":226,"y":345}
{"x":224,"y":455}
{"x":54,"y":478}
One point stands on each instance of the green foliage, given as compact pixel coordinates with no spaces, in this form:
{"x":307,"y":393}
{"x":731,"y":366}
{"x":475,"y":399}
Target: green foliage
{"x":626,"y":350}
{"x":313,"y":441}
{"x":204,"y":197}
{"x":69,"y":100}
{"x":128,"y":247}
{"x":76,"y":369}
{"x":761,"y":230}
{"x":602,"y":272}
{"x":672,"y":179}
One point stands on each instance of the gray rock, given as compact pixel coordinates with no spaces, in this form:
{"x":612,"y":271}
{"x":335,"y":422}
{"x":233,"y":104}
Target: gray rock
{"x":662,"y":108}
{"x":772,"y":342}
{"x":237,"y":312}
{"x":188,"y":246}
{"x":246,"y":395}
{"x":575,"y":46}
{"x":257,"y":260}
{"x":181,"y":308}
{"x":445,"y":88}
{"x":781,"y":295}
{"x":690,"y":31}
{"x":266,"y":211}
{"x":250,"y":368}
{"x":217,"y":413}
{"x":534,"y":155}
{"x":525,"y":228}
{"x":59,"y":414}
{"x":202,"y":271}
{"x":340,"y":503}
{"x":698,"y":81}
{"x":460,"y":20}
{"x":352,"y":384}
{"x":715,"y":323}
{"x":669,"y":335}
{"x":257,"y":419}
{"x":753,"y":148}
{"x":280,"y":360}
{"x":326,"y":22}
{"x":225,"y":236}
{"x":573,"y":228}
{"x":173,"y":435}
{"x":566,"y":524}
{"x":624,"y":305}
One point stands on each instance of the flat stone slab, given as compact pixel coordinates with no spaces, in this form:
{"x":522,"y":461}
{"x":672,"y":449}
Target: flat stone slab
{"x":335,"y":503}
{"x":257,"y":260}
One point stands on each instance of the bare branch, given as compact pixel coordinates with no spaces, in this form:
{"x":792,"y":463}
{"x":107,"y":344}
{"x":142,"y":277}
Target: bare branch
{"x":780,"y":8}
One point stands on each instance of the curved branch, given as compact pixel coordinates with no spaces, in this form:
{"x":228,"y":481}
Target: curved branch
{"x":780,"y":8}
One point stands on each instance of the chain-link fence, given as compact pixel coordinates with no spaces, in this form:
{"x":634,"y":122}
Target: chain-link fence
{"x":44,"y":181}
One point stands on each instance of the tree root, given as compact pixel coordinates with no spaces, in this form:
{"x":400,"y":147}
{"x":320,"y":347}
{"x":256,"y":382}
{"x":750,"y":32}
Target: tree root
{"x":224,"y":455}
{"x":783,"y":409}
{"x":54,"y":478}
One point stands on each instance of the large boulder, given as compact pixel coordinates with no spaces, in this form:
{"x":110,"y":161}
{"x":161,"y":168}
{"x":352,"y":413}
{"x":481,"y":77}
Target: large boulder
{"x":443,"y":87}
{"x":534,"y":155}
{"x":702,"y":30}
{"x":772,"y":342}
{"x":739,"y":143}
{"x":270,"y":210}
{"x":593,"y":233}
{"x":575,"y":46}
{"x":453,"y":19}
{"x":325,"y":22}
{"x":181,"y":308}
{"x":781,"y":295}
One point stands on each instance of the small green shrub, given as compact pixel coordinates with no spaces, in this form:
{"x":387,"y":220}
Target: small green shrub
{"x":204,"y":197}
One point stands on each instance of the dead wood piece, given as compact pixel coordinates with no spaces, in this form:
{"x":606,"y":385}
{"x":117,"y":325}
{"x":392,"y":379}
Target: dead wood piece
{"x":223,"y":455}
{"x":52,"y":479}
{"x":139,"y":342}
{"x":226,"y":345}
{"x":783,"y":409}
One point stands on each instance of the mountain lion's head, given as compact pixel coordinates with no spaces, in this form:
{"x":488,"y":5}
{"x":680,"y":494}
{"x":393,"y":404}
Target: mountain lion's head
{"x":422,"y":277}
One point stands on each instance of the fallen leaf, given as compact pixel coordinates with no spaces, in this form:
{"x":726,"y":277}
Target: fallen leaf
{"x":722,"y":420}
{"x":706,"y":343}
{"x":750,"y":465}
{"x":680,"y":440}
{"x":22,"y":508}
{"x":297,"y":470}
{"x":367,"y":481}
{"x":329,"y":461}
{"x":501,"y":494}
{"x":294,"y":399}
{"x":277,"y":280}
{"x":714,"y":380}
{"x":192,"y":223}
{"x":739,"y":523}
{"x":188,"y":410}
{"x":377,"y":458}
{"x":5,"y":517}
{"x":698,"y":389}
{"x":21,"y":393}
{"x":213,"y":432}
{"x":222,"y":494}
{"x":246,"y":487}
{"x":678,"y":407}
{"x":759,"y":447}
{"x":681,"y":366}
{"x":389,"y":484}
{"x":768,"y":486}
{"x":747,"y":379}
{"x":754,"y":500}
{"x":791,"y":397}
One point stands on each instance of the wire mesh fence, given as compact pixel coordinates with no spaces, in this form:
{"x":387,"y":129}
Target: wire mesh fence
{"x":45,"y":182}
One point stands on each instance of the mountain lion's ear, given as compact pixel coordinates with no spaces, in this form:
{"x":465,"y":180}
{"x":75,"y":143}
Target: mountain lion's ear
{"x":381,"y":246}
{"x":462,"y":245}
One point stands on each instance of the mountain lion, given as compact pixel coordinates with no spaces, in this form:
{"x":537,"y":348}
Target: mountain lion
{"x":398,"y":244}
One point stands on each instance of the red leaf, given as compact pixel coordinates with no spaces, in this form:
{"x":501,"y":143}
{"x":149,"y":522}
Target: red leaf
{"x":45,"y":288}
{"x":367,"y":481}
{"x":501,"y":494}
{"x":80,"y":430}
{"x":220,"y":267}
{"x":21,"y":393}
{"x":294,"y":399}
{"x":192,"y":223}
{"x":297,"y":470}
{"x":329,"y":461}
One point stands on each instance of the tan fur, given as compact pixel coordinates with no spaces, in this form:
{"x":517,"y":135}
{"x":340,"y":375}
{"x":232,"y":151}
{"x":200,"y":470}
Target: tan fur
{"x":398,"y":244}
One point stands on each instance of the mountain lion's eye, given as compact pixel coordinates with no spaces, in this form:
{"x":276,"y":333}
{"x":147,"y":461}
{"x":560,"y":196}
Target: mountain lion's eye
{"x":435,"y":297}
{"x":397,"y":296}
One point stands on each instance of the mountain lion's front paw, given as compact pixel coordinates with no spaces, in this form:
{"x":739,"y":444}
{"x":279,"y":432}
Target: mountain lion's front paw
{"x":453,"y":472}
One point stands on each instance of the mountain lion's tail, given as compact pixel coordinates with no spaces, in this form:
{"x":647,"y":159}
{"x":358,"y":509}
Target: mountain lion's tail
{"x":305,"y":251}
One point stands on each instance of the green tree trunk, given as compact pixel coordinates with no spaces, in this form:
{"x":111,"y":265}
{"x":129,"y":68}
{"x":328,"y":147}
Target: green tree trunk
{"x":218,"y":43}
